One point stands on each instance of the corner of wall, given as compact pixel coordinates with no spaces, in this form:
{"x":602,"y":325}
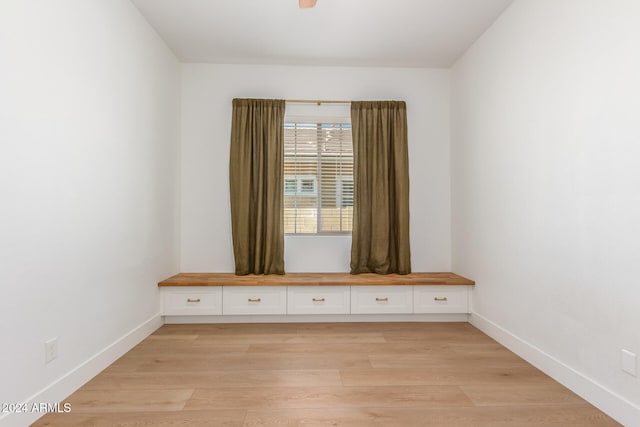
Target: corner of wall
{"x":81,"y":374}
{"x":598,"y":395}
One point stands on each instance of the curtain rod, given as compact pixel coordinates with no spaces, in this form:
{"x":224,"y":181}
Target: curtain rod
{"x":317,"y":101}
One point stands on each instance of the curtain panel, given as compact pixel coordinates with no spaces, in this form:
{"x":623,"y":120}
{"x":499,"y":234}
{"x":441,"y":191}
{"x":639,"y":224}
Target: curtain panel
{"x":380,"y":237}
{"x":255,"y":178}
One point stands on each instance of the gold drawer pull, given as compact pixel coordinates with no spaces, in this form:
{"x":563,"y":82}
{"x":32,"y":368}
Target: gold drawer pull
{"x":254,"y":300}
{"x":193,"y":300}
{"x":385,"y":299}
{"x":440,"y":299}
{"x":317,"y":299}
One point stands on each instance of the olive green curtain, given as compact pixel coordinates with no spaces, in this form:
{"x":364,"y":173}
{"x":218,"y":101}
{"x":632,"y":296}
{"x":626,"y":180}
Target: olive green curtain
{"x":255,"y":176}
{"x":380,"y":236}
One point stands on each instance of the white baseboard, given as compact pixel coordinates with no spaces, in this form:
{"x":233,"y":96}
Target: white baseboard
{"x":318,"y":318}
{"x":74,"y":379}
{"x":617,"y":407}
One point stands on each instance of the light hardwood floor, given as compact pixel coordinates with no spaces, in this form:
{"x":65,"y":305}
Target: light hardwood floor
{"x":337,"y":374}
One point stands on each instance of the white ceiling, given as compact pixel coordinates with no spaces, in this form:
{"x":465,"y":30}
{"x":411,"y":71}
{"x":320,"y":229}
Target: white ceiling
{"x":400,"y":33}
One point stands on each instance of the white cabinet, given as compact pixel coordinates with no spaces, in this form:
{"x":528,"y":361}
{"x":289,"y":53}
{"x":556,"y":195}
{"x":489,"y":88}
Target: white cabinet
{"x":440,"y":299}
{"x":318,"y":300}
{"x":254,"y":300}
{"x":192,"y":300}
{"x":315,"y":300}
{"x":381,"y":299}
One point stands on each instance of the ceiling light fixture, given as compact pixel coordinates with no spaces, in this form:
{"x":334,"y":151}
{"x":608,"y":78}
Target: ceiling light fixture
{"x":306,"y":4}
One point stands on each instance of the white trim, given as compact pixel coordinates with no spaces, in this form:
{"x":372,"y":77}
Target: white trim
{"x":614,"y":405}
{"x":68,"y":383}
{"x":317,"y":318}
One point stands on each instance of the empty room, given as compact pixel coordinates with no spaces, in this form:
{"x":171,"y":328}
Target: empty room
{"x":319,"y":212}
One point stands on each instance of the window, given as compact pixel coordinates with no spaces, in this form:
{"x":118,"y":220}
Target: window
{"x":308,"y":187}
{"x":290,"y":186}
{"x":318,"y":177}
{"x":300,"y":185}
{"x":345,"y":191}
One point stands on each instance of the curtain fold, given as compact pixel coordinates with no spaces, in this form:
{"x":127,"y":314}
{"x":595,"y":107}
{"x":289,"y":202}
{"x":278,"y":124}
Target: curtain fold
{"x":380,"y":237}
{"x":256,"y":185}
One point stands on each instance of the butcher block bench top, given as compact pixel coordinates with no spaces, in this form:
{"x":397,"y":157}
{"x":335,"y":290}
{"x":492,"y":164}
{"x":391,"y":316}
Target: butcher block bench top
{"x":315,"y":279}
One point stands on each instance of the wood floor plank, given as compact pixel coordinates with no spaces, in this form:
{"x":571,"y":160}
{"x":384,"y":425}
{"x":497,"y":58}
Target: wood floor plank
{"x":252,"y":361}
{"x":168,"y":340}
{"x":224,"y":418}
{"x":329,"y":397}
{"x":175,"y":337}
{"x":292,"y":338}
{"x":128,"y":400}
{"x":521,"y":394}
{"x":445,"y":358}
{"x":436,"y":335}
{"x":234,"y":329}
{"x":247,"y":378}
{"x":160,"y":350}
{"x":459,"y":417}
{"x":348,"y":348}
{"x":443,"y":376}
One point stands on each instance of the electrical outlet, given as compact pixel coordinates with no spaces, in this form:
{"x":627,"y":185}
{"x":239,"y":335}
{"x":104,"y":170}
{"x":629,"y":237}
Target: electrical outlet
{"x":50,"y":350}
{"x":628,"y":362}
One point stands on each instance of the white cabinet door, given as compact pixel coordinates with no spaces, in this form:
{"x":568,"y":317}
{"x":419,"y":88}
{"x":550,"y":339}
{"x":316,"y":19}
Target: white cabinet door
{"x":318,"y":300}
{"x":381,"y":299}
{"x":254,"y":300}
{"x":440,"y":299}
{"x":192,"y":300}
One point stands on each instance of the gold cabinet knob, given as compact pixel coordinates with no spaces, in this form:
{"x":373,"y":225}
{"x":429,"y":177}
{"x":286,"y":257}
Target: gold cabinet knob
{"x":193,"y":299}
{"x":254,"y":300}
{"x":385,"y":299}
{"x":440,"y":299}
{"x":317,"y":299}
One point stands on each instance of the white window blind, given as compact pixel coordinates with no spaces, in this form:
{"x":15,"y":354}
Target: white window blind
{"x":318,"y":177}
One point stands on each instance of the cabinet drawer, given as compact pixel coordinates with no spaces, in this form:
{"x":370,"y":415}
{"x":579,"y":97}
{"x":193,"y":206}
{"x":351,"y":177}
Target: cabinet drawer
{"x":254,"y":300}
{"x":440,"y":299}
{"x":381,"y":299}
{"x":192,"y":300}
{"x":318,"y":300}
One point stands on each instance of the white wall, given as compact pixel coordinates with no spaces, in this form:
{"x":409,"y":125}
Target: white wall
{"x":207,"y":92}
{"x":89,"y":99}
{"x":545,"y":192}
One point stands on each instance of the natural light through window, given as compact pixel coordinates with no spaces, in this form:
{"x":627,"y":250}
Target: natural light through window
{"x":318,"y":178}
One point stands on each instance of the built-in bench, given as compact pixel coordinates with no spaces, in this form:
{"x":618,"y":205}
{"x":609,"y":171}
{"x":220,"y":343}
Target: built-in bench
{"x":226,"y":297}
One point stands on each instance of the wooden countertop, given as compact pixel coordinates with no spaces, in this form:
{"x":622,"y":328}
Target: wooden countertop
{"x":315,"y":279}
